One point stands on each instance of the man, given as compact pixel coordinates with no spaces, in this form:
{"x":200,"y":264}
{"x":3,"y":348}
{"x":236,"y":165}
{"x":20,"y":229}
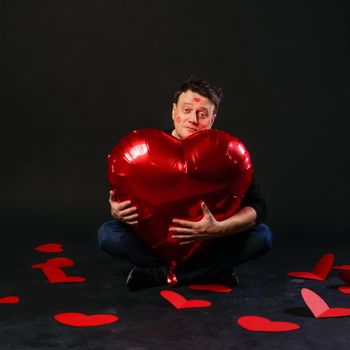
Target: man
{"x":243,"y":235}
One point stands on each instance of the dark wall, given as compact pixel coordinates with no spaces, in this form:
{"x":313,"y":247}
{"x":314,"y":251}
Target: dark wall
{"x":77,"y":75}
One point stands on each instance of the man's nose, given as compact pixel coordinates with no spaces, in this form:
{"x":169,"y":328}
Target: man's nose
{"x":194,"y":118}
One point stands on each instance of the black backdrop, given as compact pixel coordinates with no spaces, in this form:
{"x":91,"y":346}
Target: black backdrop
{"x":77,"y":75}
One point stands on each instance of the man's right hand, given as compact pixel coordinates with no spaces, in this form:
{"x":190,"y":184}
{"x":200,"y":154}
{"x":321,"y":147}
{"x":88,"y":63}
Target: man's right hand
{"x":122,"y":210}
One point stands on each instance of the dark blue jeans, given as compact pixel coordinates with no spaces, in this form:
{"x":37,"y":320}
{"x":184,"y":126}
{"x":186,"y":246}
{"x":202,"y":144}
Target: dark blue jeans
{"x":117,"y":239}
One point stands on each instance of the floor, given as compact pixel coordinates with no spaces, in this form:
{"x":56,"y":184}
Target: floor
{"x":146,"y":320}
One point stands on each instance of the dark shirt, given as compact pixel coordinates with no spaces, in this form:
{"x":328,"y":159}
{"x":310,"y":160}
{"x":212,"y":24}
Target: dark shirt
{"x":253,"y":198}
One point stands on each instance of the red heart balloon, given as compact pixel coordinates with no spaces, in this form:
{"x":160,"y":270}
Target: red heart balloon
{"x":167,"y":178}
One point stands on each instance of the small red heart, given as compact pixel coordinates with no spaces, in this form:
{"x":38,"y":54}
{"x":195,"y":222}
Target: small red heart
{"x":58,"y":262}
{"x":262,"y":324}
{"x":50,"y":248}
{"x":344,"y":289}
{"x":76,"y":319}
{"x":9,"y":300}
{"x":219,"y":288}
{"x":320,"y":270}
{"x":56,"y":275}
{"x":345,"y":276}
{"x":179,"y":302}
{"x":320,"y":308}
{"x":342,"y":267}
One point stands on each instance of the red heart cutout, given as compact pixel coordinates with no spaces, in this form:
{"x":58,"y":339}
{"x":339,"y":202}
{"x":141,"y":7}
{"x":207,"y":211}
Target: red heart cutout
{"x":53,"y":272}
{"x":56,"y":275}
{"x":77,"y":319}
{"x":219,"y":288}
{"x":179,"y":302}
{"x":58,"y":262}
{"x":342,"y":268}
{"x":167,"y":178}
{"x":319,"y":307}
{"x":262,"y":324}
{"x":320,"y":270}
{"x":50,"y":248}
{"x":9,"y":300}
{"x":345,"y":276}
{"x":344,"y":289}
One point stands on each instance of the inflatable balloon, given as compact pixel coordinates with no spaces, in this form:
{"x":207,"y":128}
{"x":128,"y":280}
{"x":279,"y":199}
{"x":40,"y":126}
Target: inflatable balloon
{"x":167,"y":178}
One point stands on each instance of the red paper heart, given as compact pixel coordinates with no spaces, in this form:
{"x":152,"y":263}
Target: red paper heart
{"x":180,"y":302}
{"x":262,"y":324}
{"x":58,"y":262}
{"x":167,"y":178}
{"x":53,"y":272}
{"x":219,"y":288}
{"x":50,"y":248}
{"x":342,"y":268}
{"x":56,"y":275}
{"x":76,"y":319}
{"x":345,"y":276}
{"x":9,"y":300}
{"x":320,"y":270}
{"x":319,"y":307}
{"x":344,"y":289}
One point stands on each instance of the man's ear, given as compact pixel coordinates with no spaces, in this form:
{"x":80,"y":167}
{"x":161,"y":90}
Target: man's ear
{"x":173,"y":111}
{"x":214,"y":117}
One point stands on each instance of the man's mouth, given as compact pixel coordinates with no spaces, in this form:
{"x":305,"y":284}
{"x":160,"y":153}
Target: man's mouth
{"x":189,"y":128}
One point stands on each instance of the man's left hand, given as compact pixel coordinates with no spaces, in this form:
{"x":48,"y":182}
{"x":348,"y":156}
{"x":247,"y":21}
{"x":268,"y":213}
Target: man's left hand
{"x":192,"y":231}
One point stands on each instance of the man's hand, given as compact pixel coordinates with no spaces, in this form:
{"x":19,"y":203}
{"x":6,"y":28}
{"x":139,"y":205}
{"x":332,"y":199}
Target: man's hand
{"x":191,"y":231}
{"x":122,"y":210}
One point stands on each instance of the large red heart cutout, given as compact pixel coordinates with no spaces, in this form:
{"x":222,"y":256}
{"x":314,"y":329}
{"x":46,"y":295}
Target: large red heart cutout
{"x":167,"y":178}
{"x":320,"y":270}
{"x":76,"y":319}
{"x":320,"y":308}
{"x":262,"y":324}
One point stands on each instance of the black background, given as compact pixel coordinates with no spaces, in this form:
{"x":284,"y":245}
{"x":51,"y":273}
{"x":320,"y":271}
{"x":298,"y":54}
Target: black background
{"x":78,"y":75}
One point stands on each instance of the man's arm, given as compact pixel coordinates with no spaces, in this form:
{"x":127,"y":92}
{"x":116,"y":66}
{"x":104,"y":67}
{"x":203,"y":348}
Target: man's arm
{"x":253,"y":211}
{"x":208,"y":227}
{"x":241,"y":221}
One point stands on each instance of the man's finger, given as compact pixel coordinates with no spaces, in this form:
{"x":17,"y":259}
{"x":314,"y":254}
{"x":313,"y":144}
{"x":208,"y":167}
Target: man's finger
{"x":131,"y":222}
{"x":196,"y":236}
{"x":130,"y":217}
{"x":205,"y":209}
{"x":184,"y":223}
{"x":181,"y":229}
{"x":187,"y":242}
{"x":124,"y":205}
{"x":127,"y":211}
{"x":112,"y":195}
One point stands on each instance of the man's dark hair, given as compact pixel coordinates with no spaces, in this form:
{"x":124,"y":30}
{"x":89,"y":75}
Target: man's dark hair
{"x":202,"y":87}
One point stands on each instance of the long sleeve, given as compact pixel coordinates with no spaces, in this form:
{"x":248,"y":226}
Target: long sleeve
{"x":254,"y":198}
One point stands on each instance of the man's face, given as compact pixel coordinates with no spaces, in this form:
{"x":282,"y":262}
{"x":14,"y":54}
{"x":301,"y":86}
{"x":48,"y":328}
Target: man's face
{"x":192,"y":113}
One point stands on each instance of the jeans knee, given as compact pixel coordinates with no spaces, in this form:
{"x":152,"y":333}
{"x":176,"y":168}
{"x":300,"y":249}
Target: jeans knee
{"x":104,"y":235}
{"x":266,"y":235}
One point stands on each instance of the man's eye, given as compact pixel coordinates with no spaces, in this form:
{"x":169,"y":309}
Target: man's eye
{"x":186,"y":110}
